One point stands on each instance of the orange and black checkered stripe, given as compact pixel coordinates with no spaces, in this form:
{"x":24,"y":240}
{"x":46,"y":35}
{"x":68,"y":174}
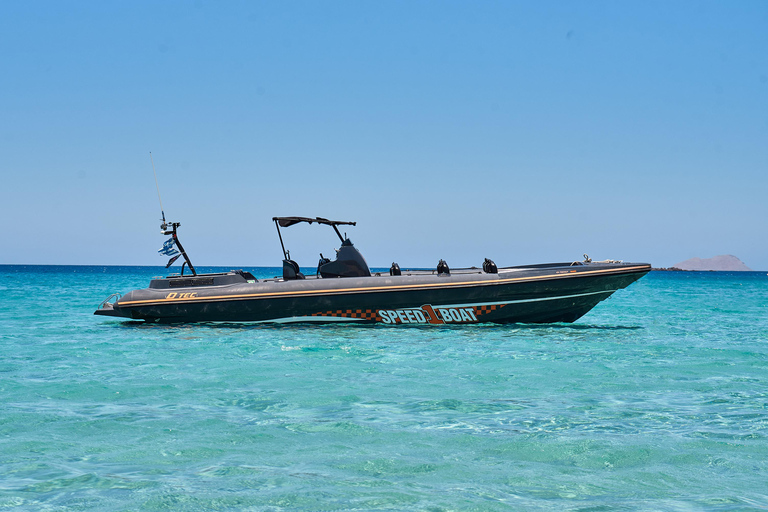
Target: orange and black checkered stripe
{"x":484,"y":310}
{"x":364,"y":314}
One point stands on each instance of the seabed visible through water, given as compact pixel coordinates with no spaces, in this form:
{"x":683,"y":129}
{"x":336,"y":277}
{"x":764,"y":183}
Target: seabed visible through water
{"x":656,"y":400}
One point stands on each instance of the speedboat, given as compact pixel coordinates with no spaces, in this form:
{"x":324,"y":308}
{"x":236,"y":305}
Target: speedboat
{"x":345,"y":290}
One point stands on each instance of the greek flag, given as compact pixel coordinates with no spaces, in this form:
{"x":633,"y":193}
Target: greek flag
{"x":170,"y":262}
{"x":167,"y":248}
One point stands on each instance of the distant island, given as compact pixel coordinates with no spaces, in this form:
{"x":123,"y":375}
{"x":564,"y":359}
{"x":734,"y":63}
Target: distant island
{"x":724,"y":262}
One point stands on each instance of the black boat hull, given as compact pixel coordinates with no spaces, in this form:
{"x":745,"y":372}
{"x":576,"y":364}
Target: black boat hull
{"x":537,"y":294}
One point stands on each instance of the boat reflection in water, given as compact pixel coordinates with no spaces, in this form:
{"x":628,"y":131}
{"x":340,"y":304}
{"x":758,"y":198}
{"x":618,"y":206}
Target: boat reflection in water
{"x":344,"y":290}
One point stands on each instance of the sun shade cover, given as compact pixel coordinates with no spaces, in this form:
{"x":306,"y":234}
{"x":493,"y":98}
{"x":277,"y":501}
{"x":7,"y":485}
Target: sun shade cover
{"x":290,"y":221}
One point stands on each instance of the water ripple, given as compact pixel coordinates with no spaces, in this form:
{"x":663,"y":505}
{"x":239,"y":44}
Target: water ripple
{"x":657,"y":400}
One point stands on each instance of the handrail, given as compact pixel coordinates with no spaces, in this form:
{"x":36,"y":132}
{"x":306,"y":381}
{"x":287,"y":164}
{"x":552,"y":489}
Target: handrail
{"x":116,"y":296}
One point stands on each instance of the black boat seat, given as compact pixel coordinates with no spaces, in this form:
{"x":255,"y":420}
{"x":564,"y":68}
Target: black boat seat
{"x":323,"y":261}
{"x":291,"y":270}
{"x":348,"y":263}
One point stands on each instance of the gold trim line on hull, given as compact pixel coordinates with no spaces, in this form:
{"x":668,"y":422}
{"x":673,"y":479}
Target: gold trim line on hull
{"x":375,"y":288}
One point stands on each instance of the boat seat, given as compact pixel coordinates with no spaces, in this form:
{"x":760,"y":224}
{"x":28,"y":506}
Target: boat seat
{"x":291,"y":270}
{"x":348,"y":263}
{"x":323,"y":261}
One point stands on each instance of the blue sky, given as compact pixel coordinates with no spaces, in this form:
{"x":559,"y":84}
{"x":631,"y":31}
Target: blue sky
{"x":520,"y":131}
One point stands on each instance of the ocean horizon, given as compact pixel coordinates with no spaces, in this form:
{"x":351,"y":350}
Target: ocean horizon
{"x":655,"y":400}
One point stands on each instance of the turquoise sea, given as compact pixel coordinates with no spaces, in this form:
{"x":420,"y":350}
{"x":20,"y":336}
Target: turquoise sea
{"x":656,"y":400}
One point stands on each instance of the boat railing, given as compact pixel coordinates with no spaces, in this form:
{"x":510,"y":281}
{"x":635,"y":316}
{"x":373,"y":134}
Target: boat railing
{"x":115,"y":296}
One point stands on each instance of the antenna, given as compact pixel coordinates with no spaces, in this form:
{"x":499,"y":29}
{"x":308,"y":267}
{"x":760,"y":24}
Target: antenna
{"x":173,"y":225}
{"x":158,"y":189}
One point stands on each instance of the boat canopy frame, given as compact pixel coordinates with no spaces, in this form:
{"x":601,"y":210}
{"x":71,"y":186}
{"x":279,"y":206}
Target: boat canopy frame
{"x":290,"y":221}
{"x":165,"y":231}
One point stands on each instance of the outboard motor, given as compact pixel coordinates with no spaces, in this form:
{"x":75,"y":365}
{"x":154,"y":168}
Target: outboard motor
{"x":348,"y":263}
{"x":291,"y":270}
{"x":489,"y":267}
{"x":442,"y":268}
{"x":394,"y":270}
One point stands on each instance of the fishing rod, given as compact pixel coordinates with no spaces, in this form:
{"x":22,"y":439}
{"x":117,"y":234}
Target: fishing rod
{"x":168,"y":249}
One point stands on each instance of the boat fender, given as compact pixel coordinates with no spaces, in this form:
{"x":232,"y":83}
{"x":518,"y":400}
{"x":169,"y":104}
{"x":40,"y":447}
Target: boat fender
{"x":489,"y":267}
{"x":394,"y":270}
{"x":442,"y":268}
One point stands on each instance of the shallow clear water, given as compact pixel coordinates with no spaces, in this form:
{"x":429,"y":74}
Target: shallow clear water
{"x":656,"y":400}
